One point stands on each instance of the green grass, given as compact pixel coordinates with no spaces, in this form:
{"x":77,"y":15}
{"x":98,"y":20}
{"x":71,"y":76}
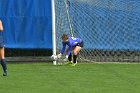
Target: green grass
{"x":83,"y":78}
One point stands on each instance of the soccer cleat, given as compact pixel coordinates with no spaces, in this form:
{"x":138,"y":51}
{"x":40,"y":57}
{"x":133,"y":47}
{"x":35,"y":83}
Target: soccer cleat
{"x":4,"y":74}
{"x":73,"y":64}
{"x":69,"y":62}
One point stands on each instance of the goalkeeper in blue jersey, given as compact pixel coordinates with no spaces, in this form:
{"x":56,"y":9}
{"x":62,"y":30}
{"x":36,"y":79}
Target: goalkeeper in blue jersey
{"x":74,"y":44}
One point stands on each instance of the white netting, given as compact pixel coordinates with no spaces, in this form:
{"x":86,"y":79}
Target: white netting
{"x":110,"y":29}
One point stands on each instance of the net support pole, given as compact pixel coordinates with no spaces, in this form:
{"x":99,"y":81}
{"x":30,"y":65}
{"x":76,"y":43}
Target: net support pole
{"x":53,"y":30}
{"x":68,"y":17}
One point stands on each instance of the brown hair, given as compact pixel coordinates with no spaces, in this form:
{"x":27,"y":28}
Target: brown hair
{"x":64,"y":37}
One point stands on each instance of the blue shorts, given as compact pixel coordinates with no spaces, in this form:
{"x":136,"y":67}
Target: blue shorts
{"x":79,"y":44}
{"x":1,"y":41}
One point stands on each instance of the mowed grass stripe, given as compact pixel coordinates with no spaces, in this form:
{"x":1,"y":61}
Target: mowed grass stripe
{"x":83,"y":78}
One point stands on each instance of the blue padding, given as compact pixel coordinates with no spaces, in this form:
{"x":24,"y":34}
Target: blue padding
{"x":27,"y":23}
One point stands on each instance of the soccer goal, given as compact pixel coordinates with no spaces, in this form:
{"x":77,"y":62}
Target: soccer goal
{"x":109,"y":28}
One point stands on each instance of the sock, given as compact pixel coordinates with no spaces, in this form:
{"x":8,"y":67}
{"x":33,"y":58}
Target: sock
{"x":70,"y":57}
{"x":74,"y":58}
{"x":4,"y":66}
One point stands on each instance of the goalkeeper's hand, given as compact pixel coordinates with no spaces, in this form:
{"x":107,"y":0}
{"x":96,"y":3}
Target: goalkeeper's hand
{"x":59,"y":55}
{"x":66,"y":59}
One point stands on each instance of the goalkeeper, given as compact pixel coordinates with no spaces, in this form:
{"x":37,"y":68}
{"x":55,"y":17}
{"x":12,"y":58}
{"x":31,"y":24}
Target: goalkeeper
{"x":74,"y":44}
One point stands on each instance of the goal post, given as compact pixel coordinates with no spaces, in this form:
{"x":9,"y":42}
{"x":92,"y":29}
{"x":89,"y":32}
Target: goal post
{"x":109,"y":28}
{"x":53,"y":30}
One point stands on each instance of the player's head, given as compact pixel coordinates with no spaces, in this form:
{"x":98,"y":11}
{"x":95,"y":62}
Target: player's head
{"x":65,"y":38}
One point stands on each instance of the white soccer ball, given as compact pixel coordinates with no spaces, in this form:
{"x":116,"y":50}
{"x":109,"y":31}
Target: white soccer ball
{"x":54,"y":57}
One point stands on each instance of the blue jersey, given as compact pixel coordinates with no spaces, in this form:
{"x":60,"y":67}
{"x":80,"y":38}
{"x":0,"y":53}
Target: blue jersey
{"x":71,"y":43}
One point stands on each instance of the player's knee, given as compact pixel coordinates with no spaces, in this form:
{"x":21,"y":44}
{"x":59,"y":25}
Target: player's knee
{"x":75,"y":52}
{"x":3,"y":57}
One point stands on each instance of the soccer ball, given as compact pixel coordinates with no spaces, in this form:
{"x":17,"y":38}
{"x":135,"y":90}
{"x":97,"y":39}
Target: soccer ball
{"x":54,"y":57}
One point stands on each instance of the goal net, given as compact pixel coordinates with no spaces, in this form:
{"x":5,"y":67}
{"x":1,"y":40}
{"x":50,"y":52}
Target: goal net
{"x":110,"y":29}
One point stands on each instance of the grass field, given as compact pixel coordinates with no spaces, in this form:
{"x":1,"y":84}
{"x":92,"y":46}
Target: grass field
{"x":83,"y":78}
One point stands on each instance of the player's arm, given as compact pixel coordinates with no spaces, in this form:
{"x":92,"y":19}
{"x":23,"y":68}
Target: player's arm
{"x":1,"y":26}
{"x":69,"y":51}
{"x":62,"y":50}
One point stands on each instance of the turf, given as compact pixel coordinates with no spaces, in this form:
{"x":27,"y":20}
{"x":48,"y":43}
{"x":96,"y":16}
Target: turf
{"x":83,"y":78}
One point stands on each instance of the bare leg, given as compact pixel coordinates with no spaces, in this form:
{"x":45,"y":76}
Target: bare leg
{"x":3,"y":62}
{"x":75,"y":52}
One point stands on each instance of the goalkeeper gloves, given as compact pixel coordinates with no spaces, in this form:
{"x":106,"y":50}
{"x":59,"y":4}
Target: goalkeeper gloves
{"x":66,"y":59}
{"x":59,"y":55}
